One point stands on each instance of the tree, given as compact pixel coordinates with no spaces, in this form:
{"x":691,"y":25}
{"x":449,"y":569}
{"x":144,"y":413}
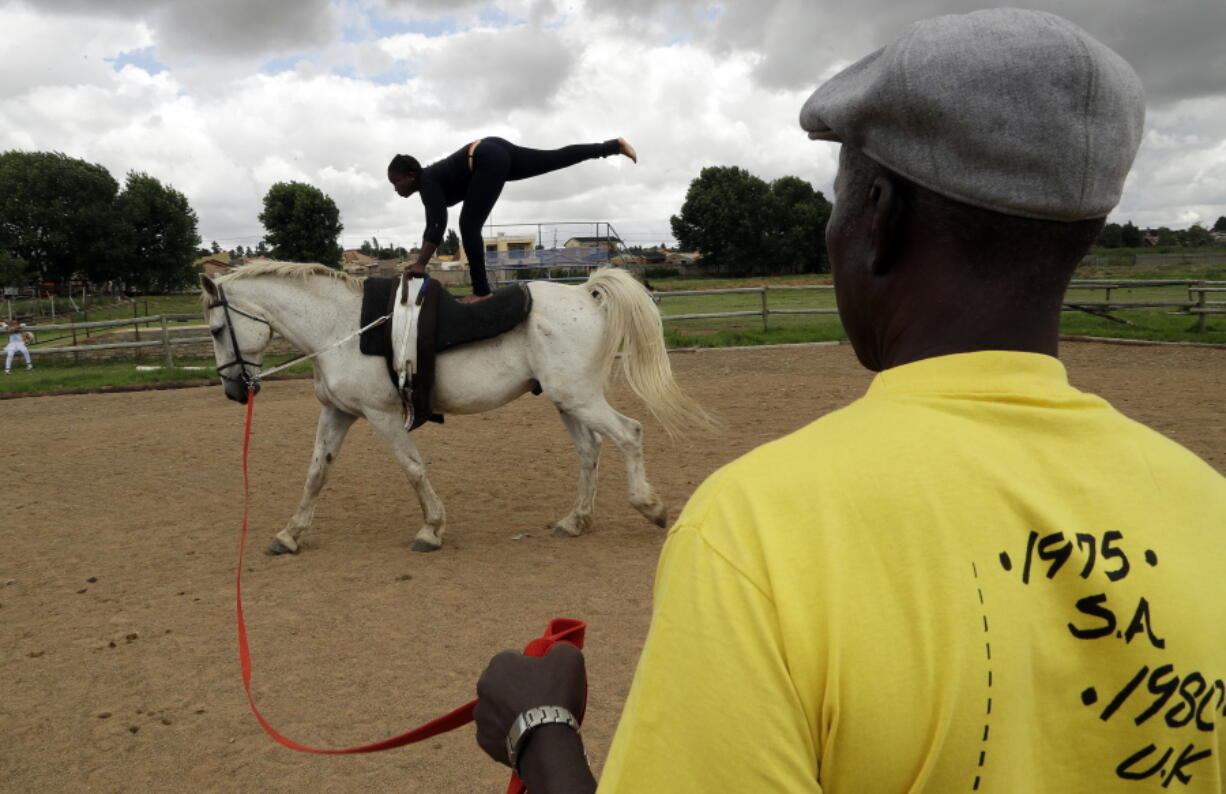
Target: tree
{"x":160,"y":235}
{"x":261,"y":248}
{"x":14,"y":272}
{"x":302,"y":223}
{"x":741,"y":224}
{"x":725,"y":213}
{"x":216,"y":249}
{"x":1111,"y":236}
{"x":1220,"y":224}
{"x":240,"y":252}
{"x":796,"y":240}
{"x":1130,"y":235}
{"x":1165,"y":235}
{"x":451,"y":245}
{"x":57,"y":214}
{"x":390,"y":251}
{"x":1196,"y":235}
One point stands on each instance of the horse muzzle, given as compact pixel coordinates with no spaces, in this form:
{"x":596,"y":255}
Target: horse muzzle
{"x":237,"y":390}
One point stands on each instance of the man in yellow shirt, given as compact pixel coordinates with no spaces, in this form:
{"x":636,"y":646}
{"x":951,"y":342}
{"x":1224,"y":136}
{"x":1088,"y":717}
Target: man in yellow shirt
{"x":976,"y":577}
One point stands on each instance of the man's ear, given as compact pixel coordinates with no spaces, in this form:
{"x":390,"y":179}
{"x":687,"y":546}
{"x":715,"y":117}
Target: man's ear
{"x":885,"y":231}
{"x":208,"y":286}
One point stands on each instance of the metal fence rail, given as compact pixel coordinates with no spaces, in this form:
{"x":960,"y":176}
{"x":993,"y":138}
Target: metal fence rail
{"x":765,"y":311}
{"x":1197,"y":303}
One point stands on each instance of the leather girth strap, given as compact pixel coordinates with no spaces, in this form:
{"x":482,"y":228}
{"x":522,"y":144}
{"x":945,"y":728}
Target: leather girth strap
{"x":422,"y":384}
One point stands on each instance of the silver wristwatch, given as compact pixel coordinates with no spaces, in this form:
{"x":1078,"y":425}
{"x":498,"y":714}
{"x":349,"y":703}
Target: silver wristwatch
{"x":531,"y":719}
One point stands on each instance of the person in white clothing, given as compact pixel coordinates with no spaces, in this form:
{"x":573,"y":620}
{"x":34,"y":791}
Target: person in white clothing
{"x":17,"y":344}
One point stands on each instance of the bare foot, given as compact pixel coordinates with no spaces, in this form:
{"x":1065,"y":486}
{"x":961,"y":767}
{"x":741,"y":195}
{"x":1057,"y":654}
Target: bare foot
{"x":473,"y":298}
{"x":627,"y":149}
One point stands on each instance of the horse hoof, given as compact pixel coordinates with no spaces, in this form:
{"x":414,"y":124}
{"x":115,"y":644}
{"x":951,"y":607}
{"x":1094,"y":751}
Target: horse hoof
{"x":558,"y":532}
{"x":423,"y":546}
{"x":278,"y":548}
{"x":656,"y":513}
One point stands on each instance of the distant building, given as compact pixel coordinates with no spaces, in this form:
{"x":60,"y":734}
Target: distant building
{"x":608,"y":243}
{"x":504,"y":243}
{"x":446,"y":262}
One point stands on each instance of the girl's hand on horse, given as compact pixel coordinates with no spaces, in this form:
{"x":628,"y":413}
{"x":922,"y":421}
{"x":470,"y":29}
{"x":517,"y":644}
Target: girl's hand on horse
{"x":514,"y":683}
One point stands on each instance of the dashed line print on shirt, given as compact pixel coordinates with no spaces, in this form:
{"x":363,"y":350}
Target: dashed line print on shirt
{"x":987,"y":650}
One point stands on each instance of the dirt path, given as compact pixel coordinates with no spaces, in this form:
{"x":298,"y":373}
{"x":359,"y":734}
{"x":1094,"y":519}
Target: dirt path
{"x":116,"y":577}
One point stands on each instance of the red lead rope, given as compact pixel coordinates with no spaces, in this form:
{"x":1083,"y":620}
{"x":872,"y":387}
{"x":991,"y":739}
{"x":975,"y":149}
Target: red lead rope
{"x":559,"y":630}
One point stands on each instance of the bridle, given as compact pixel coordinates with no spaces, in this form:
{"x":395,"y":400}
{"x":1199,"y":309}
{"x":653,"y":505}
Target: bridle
{"x":249,"y":381}
{"x":245,"y":378}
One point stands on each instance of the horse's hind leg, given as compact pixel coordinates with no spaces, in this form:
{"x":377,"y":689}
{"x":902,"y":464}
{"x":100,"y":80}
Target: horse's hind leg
{"x":390,"y":428}
{"x":329,"y":435}
{"x":627,"y":433}
{"x":587,"y":447}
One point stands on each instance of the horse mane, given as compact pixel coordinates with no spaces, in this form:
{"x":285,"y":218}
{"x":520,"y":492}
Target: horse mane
{"x":274,"y":269}
{"x":300,"y":270}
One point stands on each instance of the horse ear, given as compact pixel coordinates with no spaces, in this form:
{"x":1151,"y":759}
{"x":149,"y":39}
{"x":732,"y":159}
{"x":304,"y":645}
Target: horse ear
{"x":208,"y":286}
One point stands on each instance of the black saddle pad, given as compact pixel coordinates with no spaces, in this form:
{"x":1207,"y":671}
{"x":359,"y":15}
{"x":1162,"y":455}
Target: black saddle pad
{"x":457,"y":324}
{"x":461,"y":323}
{"x":376,"y":299}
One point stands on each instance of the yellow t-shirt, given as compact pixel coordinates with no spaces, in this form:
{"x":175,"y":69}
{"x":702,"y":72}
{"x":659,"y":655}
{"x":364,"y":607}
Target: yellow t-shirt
{"x":974,"y":578}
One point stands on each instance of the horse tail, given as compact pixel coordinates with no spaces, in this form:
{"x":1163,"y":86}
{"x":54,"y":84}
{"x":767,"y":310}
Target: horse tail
{"x":633,"y":325}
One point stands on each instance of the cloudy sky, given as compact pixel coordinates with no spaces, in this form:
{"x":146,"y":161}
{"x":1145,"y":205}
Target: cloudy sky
{"x":222,"y":99}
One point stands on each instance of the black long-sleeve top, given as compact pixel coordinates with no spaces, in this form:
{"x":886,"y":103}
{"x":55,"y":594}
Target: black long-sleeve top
{"x":442,"y":185}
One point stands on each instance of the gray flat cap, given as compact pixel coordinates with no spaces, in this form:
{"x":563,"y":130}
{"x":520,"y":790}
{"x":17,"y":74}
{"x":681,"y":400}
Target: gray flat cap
{"x":1016,"y":111}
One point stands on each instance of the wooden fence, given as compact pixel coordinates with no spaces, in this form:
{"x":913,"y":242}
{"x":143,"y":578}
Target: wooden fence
{"x":764,"y":312}
{"x":1201,"y":302}
{"x":163,"y":337}
{"x":1198,"y":302}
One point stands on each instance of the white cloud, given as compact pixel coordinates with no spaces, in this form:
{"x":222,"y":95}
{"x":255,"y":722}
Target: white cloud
{"x":691,"y":83}
{"x":218,"y":27}
{"x":1180,"y":174}
{"x":35,"y":52}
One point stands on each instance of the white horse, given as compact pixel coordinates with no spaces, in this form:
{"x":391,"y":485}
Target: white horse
{"x":566,"y":345}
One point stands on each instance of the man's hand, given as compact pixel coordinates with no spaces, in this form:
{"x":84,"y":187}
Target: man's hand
{"x":513,"y":683}
{"x":416,"y":270}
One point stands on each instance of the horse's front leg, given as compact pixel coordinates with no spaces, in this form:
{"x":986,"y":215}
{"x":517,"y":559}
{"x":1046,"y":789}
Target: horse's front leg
{"x":390,"y":428}
{"x":329,"y":435}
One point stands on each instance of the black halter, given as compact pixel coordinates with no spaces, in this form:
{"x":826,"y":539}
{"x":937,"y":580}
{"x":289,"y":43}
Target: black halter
{"x":245,"y":378}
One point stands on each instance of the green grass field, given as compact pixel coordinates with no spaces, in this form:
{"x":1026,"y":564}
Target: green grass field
{"x":1161,"y":324}
{"x":105,"y":308}
{"x":60,"y":373}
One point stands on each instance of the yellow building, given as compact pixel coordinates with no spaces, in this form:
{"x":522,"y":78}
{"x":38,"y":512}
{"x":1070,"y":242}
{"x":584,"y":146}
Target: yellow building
{"x":606,"y":242}
{"x":504,"y":242}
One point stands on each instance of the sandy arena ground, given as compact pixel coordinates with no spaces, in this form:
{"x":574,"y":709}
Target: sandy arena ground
{"x":119,"y":532}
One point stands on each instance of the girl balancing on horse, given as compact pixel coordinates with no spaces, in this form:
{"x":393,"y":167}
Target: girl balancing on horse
{"x":475,"y":175}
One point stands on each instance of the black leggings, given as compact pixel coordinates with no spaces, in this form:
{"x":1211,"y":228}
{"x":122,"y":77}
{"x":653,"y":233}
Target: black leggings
{"x":496,"y":162}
